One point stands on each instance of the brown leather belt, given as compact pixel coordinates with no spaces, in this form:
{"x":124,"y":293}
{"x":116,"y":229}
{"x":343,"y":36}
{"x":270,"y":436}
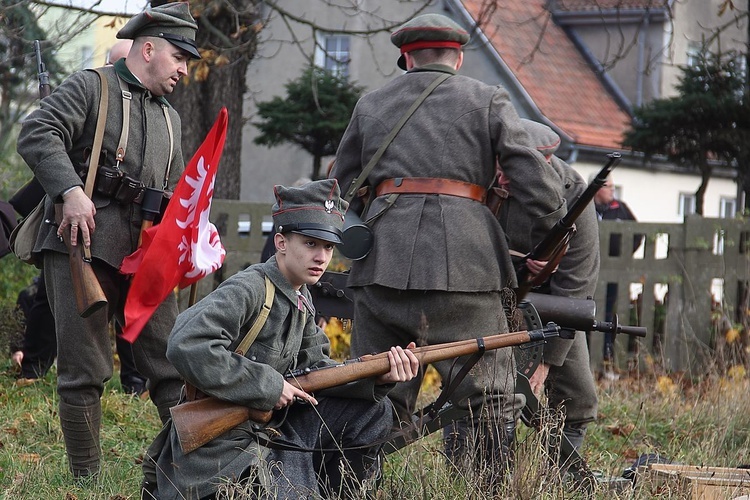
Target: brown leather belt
{"x":432,"y":185}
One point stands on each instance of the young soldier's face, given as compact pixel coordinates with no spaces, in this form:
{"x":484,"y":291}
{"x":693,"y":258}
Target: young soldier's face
{"x":302,"y":259}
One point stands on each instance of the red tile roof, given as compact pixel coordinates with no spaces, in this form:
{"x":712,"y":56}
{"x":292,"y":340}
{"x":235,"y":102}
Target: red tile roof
{"x":552,"y":71}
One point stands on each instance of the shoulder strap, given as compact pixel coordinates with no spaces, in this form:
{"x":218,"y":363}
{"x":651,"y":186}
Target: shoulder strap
{"x":127,"y":96}
{"x":96,"y":148}
{"x":360,"y":179}
{"x":252,"y":334}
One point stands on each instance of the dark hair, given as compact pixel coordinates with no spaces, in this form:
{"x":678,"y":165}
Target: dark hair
{"x":447,"y":56}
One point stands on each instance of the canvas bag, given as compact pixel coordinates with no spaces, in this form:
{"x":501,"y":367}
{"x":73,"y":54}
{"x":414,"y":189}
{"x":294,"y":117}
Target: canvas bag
{"x":23,"y":237}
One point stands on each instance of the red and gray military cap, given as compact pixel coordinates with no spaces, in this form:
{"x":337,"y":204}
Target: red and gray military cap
{"x":314,"y":209}
{"x":428,"y":31}
{"x":171,"y":22}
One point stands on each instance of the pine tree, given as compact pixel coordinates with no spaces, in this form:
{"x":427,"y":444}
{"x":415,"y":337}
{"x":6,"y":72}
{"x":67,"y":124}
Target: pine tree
{"x":313,"y":115}
{"x":703,"y":126}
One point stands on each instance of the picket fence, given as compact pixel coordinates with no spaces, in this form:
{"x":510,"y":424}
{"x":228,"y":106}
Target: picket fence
{"x":673,"y":279}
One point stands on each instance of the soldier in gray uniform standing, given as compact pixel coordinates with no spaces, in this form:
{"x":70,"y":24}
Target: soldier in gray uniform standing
{"x":203,"y":345}
{"x":565,"y":371}
{"x":440,"y":259}
{"x":55,"y":142}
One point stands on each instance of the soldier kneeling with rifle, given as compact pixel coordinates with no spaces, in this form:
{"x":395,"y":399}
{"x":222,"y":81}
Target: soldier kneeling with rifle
{"x":238,"y":344}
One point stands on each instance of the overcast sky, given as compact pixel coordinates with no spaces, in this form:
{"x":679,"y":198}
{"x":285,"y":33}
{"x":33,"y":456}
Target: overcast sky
{"x":109,"y":6}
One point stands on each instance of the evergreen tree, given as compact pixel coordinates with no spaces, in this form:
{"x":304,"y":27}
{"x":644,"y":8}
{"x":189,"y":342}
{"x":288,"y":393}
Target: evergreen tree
{"x":313,"y":115}
{"x":703,"y":126}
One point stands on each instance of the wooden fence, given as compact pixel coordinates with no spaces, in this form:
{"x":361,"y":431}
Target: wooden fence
{"x":669,"y":278}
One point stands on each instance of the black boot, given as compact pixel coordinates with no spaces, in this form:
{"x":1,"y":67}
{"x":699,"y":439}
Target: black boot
{"x":80,"y":427}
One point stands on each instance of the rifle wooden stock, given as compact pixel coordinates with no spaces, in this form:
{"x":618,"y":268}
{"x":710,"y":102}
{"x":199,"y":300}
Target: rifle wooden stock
{"x":198,"y":422}
{"x":86,"y":288}
{"x":555,"y":241}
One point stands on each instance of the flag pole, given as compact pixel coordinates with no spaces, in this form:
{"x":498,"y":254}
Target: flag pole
{"x":193,"y":294}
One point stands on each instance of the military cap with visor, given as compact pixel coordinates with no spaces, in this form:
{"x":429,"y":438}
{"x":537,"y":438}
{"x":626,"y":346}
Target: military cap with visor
{"x":314,"y":209}
{"x":172,"y":22}
{"x":428,"y":31}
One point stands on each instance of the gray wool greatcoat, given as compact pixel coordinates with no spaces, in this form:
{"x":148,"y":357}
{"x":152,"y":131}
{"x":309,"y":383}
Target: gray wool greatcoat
{"x":202,"y":346}
{"x":447,"y":254}
{"x":570,"y":381}
{"x":53,"y":141}
{"x":439,"y":242}
{"x":54,"y":138}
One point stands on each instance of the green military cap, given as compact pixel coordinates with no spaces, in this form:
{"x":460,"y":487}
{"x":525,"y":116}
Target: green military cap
{"x":543,"y":137}
{"x":428,"y":31}
{"x":314,"y":209}
{"x":171,"y":22}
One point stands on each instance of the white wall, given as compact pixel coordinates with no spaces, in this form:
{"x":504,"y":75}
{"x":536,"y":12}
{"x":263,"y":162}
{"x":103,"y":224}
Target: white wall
{"x":654,"y":196}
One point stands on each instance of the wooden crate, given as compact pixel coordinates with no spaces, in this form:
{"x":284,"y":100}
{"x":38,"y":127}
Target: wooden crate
{"x":696,"y":482}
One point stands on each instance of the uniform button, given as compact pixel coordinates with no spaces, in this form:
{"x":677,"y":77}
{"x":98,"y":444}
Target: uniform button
{"x":253,"y":358}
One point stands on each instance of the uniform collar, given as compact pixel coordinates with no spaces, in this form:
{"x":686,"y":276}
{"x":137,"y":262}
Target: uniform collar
{"x":124,"y":72}
{"x":442,"y":68}
{"x":271,"y":269}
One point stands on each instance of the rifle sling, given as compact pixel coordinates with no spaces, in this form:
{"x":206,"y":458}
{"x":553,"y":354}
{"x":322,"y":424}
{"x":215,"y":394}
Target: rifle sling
{"x":448,"y":390}
{"x":96,"y":147}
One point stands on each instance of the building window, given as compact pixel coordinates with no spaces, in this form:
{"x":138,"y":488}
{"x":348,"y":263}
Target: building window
{"x":687,"y":204}
{"x":727,"y":208}
{"x":332,"y":53}
{"x":693,"y":54}
{"x":87,"y":57}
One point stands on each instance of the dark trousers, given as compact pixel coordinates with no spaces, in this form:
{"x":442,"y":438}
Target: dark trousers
{"x":40,"y":343}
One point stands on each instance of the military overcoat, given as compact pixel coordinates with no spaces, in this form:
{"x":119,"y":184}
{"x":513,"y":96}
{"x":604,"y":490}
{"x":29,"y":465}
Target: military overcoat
{"x":55,"y":138}
{"x":570,"y":382}
{"x":441,"y":242}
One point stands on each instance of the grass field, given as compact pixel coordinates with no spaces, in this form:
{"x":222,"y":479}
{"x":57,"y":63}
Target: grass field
{"x":703,"y":422}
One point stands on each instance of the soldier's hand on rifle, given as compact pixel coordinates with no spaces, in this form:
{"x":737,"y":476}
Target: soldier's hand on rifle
{"x":404,"y":365}
{"x":537,"y":266}
{"x":78,"y":214}
{"x":290,"y":394}
{"x":538,"y":378}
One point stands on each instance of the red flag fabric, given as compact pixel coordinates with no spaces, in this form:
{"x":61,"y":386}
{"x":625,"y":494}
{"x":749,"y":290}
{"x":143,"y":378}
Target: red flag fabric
{"x":185,"y":246}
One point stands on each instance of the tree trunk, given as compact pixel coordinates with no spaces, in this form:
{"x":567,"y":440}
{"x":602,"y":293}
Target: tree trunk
{"x":198,"y":104}
{"x":701,"y":193}
{"x":317,"y":160}
{"x":228,"y":42}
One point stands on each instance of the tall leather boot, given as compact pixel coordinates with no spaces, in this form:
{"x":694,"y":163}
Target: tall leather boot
{"x":80,"y":427}
{"x":486,"y":446}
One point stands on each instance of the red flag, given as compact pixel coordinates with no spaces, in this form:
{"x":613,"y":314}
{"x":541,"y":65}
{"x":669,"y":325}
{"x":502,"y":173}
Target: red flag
{"x":185,"y":247}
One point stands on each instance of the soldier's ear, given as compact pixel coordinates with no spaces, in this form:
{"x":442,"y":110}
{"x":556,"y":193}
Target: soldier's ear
{"x":280,"y":241}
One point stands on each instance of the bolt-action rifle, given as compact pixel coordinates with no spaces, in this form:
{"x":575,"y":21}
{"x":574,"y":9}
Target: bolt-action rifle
{"x":198,"y":422}
{"x":86,"y":288}
{"x":554,"y":244}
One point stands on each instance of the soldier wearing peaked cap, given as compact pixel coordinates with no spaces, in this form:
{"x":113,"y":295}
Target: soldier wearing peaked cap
{"x":440,"y":259}
{"x":308,"y":222}
{"x":142,"y":151}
